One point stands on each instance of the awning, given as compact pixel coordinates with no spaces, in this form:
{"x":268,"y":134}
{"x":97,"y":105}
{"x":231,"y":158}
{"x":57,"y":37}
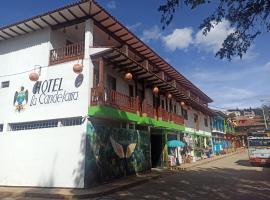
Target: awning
{"x":175,"y":143}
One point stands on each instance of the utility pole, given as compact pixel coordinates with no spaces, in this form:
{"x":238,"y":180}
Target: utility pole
{"x":265,"y":122}
{"x":264,"y":119}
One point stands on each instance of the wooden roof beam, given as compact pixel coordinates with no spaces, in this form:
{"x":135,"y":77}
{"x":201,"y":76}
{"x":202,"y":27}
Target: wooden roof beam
{"x":63,"y":16}
{"x":37,"y":24}
{"x":82,"y":10}
{"x":9,"y":35}
{"x":72,"y":13}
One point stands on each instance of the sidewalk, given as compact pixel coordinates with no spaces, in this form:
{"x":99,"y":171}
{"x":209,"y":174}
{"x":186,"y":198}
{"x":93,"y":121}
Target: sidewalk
{"x":65,"y":193}
{"x":101,"y":190}
{"x":188,"y":166}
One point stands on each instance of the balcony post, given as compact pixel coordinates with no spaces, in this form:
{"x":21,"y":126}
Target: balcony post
{"x":88,"y":36}
{"x":101,"y":79}
{"x":137,"y":109}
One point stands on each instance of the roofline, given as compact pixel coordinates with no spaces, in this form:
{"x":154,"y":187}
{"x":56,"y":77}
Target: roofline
{"x":41,"y":15}
{"x":200,"y":92}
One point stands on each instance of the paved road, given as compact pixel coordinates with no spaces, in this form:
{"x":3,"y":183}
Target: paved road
{"x":230,"y":178}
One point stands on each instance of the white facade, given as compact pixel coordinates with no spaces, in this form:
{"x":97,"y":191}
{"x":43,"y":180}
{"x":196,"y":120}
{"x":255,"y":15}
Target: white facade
{"x":201,"y":127}
{"x":54,"y":155}
{"x":47,"y":157}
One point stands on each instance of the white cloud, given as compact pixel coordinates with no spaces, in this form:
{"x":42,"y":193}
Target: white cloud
{"x":235,"y":97}
{"x":214,"y":39}
{"x":111,"y":4}
{"x":178,"y":39}
{"x":233,"y":86}
{"x":154,"y":33}
{"x":266,"y":67}
{"x":134,"y":27}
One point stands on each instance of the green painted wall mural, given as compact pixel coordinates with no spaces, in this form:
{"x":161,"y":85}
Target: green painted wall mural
{"x":113,"y":152}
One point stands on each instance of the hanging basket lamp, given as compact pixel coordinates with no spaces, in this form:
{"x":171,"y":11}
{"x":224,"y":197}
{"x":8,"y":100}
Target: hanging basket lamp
{"x":77,"y":68}
{"x":155,"y":90}
{"x":169,"y":95}
{"x":33,"y":76}
{"x":182,"y":103}
{"x":128,"y":76}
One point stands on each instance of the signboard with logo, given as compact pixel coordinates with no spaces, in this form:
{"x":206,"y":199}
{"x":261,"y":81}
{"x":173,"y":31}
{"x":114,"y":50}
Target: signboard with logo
{"x":58,"y":93}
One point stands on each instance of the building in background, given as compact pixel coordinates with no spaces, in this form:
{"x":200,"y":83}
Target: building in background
{"x":233,"y":113}
{"x":230,"y":138}
{"x":249,"y":114}
{"x":94,"y":102}
{"x":246,"y":125}
{"x":218,"y":132}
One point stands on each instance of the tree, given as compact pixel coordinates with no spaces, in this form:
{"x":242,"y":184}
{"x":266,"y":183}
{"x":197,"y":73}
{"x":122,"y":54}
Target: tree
{"x":249,"y":18}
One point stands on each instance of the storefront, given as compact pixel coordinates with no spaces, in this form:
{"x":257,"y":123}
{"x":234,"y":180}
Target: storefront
{"x":175,"y":146}
{"x":199,"y":145}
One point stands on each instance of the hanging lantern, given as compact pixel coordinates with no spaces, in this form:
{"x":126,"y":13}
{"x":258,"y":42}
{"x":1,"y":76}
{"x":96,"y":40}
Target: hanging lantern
{"x":33,"y":76}
{"x":77,"y":68}
{"x":182,"y":103}
{"x":155,"y":90}
{"x":169,"y":95}
{"x":128,"y":76}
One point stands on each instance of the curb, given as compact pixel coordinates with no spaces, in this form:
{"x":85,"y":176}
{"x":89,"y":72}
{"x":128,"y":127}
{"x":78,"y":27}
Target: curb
{"x":81,"y":196}
{"x":207,"y":161}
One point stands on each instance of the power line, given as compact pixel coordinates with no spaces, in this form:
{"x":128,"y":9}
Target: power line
{"x":23,"y":72}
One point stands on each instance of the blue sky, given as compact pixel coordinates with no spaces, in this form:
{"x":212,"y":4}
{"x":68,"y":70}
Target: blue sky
{"x":239,"y":83}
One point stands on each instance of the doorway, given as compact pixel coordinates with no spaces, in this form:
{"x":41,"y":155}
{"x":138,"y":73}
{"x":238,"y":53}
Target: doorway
{"x":156,"y":150}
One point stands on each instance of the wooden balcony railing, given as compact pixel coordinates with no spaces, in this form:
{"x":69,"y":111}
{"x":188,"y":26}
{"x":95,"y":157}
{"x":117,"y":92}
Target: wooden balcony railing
{"x":148,"y":109}
{"x":114,"y":99}
{"x":67,"y":53}
{"x":107,"y":97}
{"x":165,"y":115}
{"x":177,"y":119}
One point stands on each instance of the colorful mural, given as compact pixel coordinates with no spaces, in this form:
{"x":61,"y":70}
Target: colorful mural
{"x":113,"y":152}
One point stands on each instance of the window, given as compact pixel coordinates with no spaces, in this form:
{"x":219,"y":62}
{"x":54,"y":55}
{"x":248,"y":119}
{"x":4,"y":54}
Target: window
{"x":5,"y":84}
{"x":205,"y":122}
{"x":96,"y":78}
{"x":195,"y":118}
{"x":185,"y":113}
{"x":131,"y":91}
{"x":111,"y":82}
{"x":131,"y":126}
{"x":45,"y":124}
{"x":162,"y":104}
{"x":1,"y":127}
{"x":71,"y":121}
{"x":68,"y":42}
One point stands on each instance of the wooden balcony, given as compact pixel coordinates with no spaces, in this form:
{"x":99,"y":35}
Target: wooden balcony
{"x":68,"y":53}
{"x":177,"y":119}
{"x":103,"y":96}
{"x":111,"y":98}
{"x":163,"y":114}
{"x":148,"y":110}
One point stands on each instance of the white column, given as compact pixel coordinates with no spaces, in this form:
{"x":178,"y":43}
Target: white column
{"x":88,"y":64}
{"x":89,"y":37}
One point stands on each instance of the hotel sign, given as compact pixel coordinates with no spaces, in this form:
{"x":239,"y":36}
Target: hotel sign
{"x":51,"y":91}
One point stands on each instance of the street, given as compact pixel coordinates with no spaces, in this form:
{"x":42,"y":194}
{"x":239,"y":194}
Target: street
{"x":229,"y":178}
